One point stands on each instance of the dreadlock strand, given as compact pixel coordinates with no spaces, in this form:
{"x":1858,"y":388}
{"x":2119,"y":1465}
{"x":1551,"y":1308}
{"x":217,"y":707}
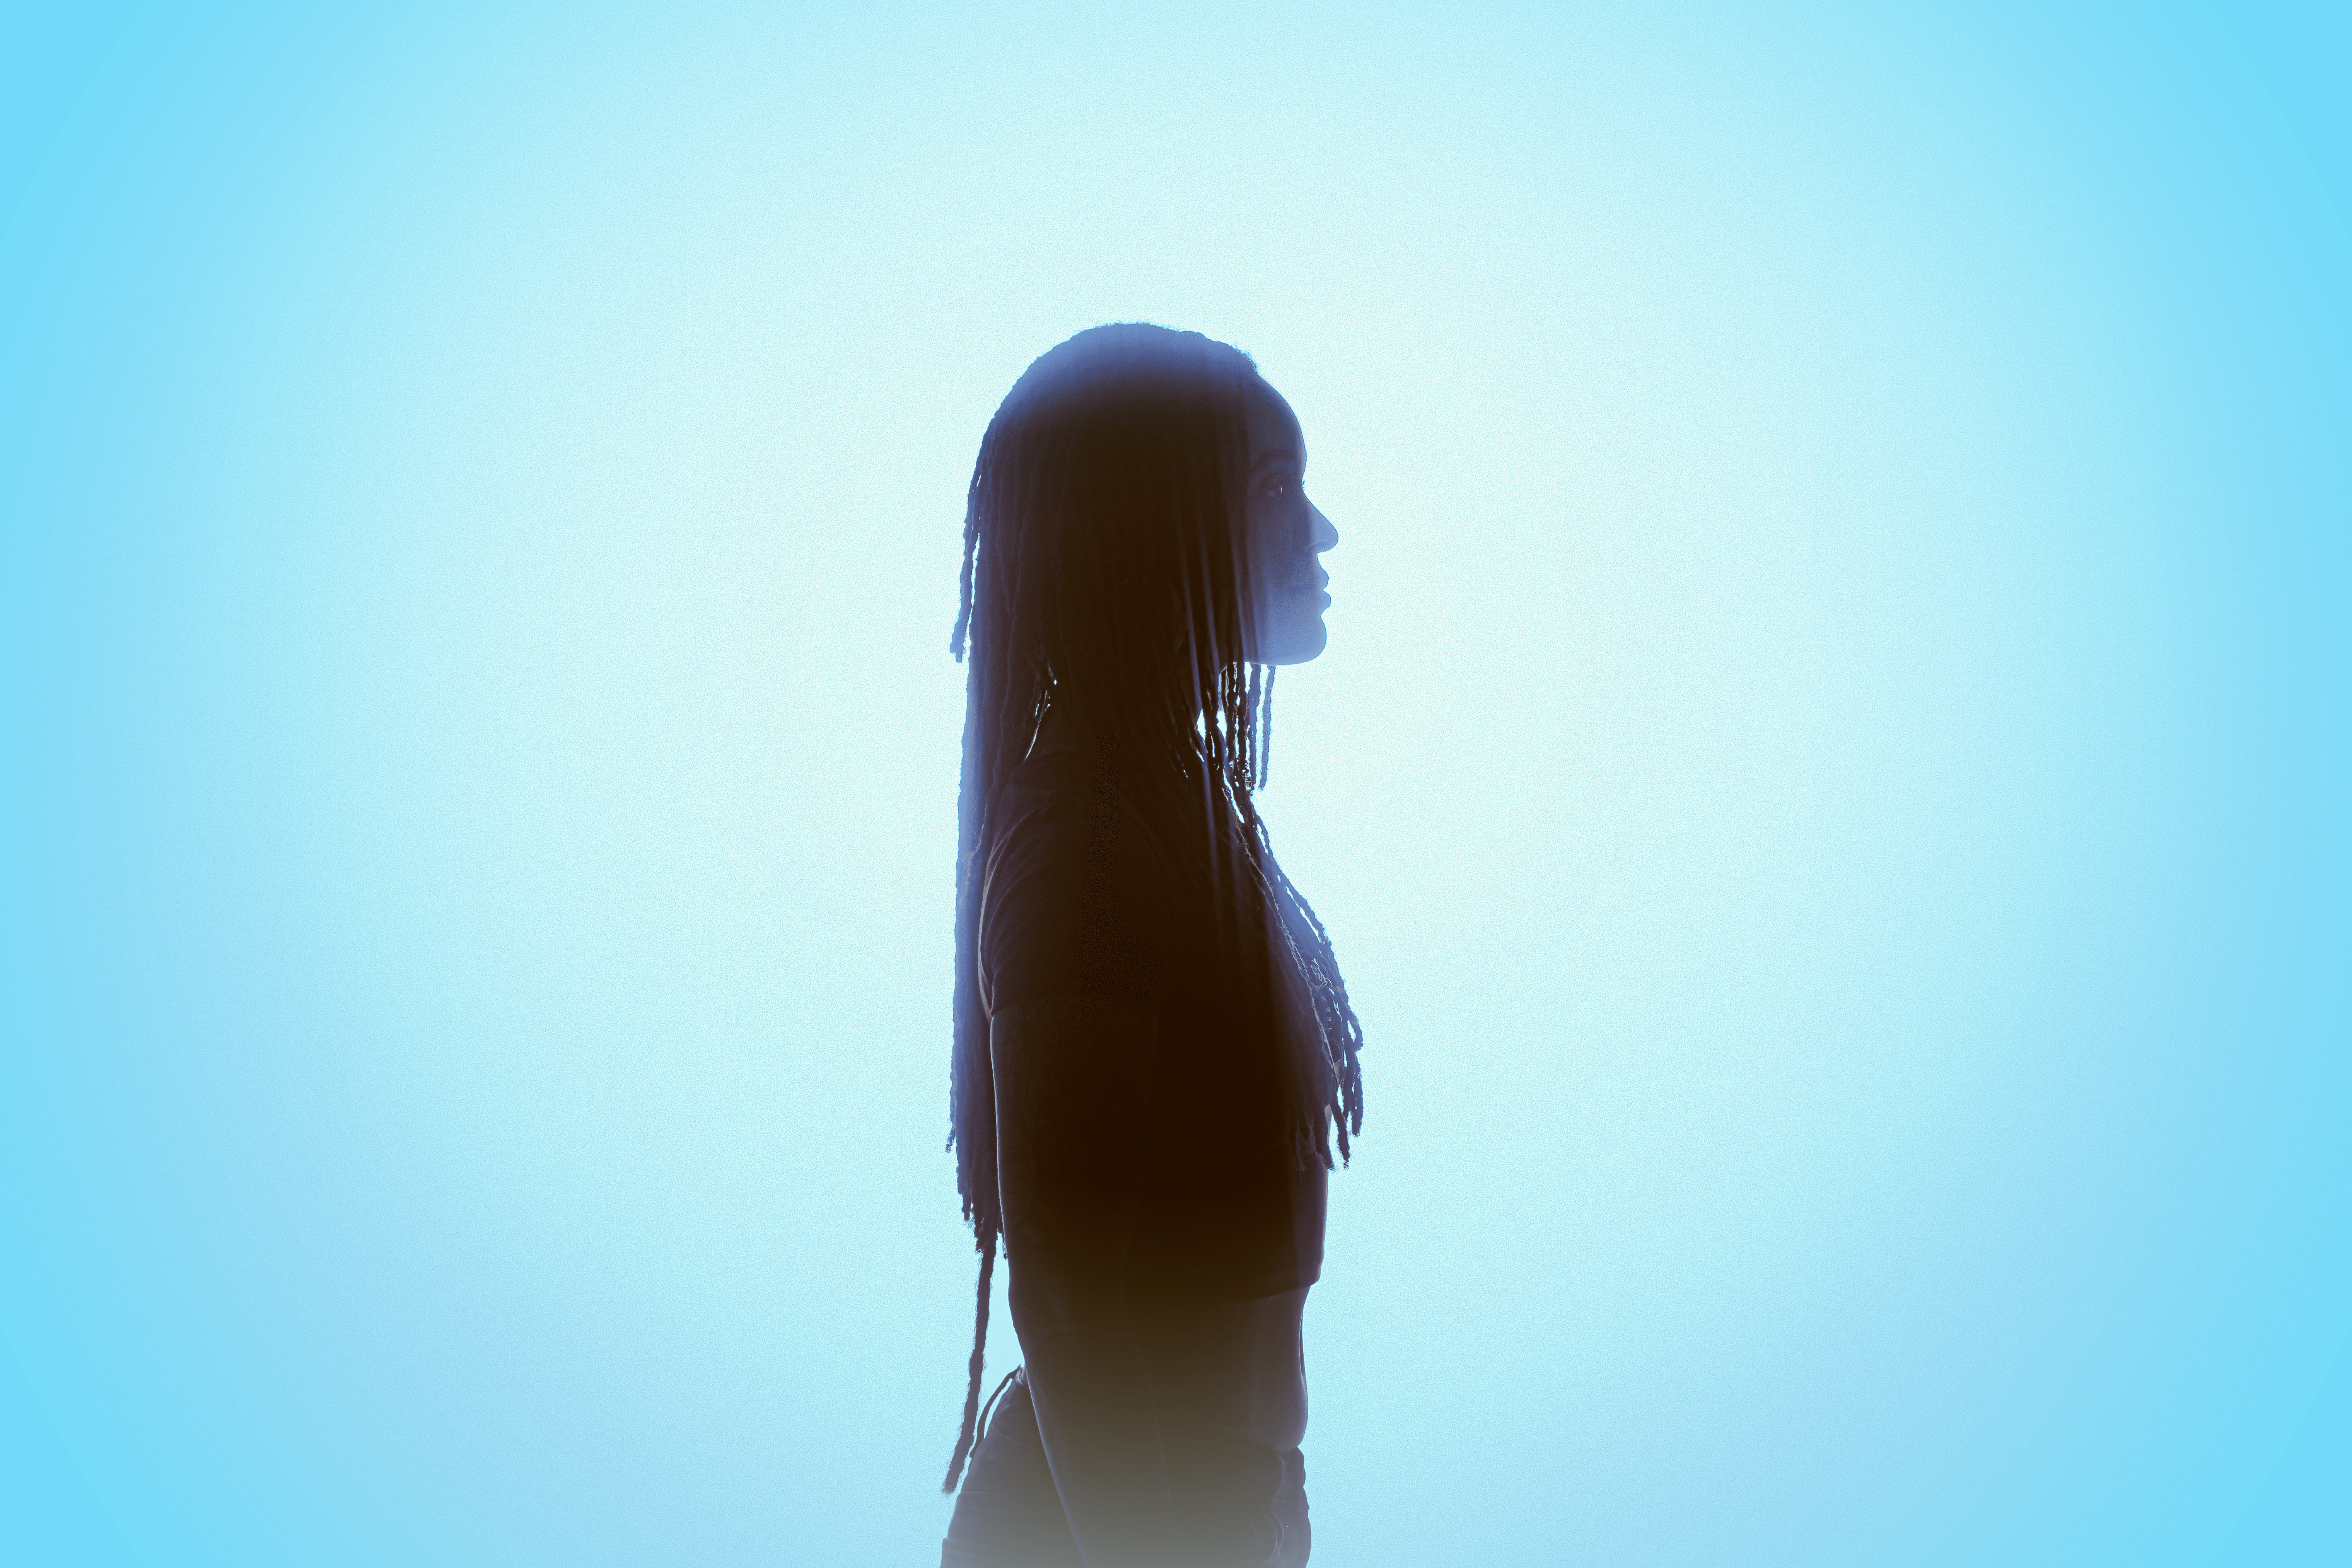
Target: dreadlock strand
{"x":1257,"y":760}
{"x":971,"y":514}
{"x":1266,"y":731}
{"x":965,"y":1434}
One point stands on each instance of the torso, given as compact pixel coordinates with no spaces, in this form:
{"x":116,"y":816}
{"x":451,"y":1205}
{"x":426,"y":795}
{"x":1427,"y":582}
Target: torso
{"x":1227,"y":1358}
{"x":1236,"y":1366}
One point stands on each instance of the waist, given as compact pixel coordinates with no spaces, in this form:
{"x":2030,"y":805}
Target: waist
{"x":1228,"y":1370}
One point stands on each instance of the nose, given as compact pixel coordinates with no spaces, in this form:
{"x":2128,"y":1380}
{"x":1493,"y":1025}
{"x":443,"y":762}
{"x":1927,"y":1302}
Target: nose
{"x":1325,"y":536}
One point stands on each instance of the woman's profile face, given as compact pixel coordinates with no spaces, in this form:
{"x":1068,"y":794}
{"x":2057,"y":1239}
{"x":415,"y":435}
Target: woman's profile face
{"x":1286,"y":534}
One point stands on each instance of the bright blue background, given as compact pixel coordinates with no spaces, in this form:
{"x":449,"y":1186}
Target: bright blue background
{"x":1829,"y":783}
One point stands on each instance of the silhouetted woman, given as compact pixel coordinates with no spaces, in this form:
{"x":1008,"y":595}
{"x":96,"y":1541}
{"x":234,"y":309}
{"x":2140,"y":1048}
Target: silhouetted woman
{"x":1153,"y":1049}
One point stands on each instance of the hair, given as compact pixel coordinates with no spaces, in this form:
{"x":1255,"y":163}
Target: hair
{"x":1107,"y":572}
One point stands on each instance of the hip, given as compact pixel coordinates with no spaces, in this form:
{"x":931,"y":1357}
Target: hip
{"x":1240,"y":1503}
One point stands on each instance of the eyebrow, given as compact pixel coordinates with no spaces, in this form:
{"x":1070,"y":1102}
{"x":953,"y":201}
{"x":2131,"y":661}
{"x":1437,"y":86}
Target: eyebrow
{"x":1264,"y":458}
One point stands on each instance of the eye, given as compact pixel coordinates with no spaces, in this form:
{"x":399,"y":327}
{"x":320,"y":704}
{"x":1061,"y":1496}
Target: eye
{"x":1277,"y":489}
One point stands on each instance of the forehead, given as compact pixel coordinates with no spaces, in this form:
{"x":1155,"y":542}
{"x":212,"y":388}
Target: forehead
{"x":1273,"y":427}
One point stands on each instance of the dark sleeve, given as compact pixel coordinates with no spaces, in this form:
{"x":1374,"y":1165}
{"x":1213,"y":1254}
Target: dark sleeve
{"x":1066,"y":908}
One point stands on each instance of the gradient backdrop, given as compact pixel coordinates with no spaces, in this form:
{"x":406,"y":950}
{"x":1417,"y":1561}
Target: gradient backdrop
{"x":1829,"y":781}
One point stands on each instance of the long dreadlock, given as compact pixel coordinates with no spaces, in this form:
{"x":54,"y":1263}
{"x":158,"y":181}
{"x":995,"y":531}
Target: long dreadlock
{"x":1106,"y":572}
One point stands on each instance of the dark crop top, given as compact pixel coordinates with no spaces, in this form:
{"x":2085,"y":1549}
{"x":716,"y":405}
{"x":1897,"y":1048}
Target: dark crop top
{"x":1082,"y":897}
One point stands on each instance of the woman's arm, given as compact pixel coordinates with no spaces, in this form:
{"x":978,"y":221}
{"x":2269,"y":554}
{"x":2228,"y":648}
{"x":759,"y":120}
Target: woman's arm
{"x":1072,"y":1075}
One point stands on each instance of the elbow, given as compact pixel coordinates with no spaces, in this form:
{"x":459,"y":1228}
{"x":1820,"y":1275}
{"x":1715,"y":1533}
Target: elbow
{"x":1058,"y":1297}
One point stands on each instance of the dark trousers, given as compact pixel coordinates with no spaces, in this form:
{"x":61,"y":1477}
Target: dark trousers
{"x":1239,"y":1504}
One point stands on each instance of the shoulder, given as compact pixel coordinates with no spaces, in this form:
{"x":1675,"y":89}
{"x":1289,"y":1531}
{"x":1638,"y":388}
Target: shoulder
{"x":1072,"y":887}
{"x":1062,"y":814}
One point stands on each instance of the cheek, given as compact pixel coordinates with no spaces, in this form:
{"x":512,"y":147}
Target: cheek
{"x":1278,"y":536}
{"x":1264,"y":533}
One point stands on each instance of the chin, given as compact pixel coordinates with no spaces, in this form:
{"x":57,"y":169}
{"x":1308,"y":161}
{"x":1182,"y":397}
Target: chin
{"x":1302,"y":645}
